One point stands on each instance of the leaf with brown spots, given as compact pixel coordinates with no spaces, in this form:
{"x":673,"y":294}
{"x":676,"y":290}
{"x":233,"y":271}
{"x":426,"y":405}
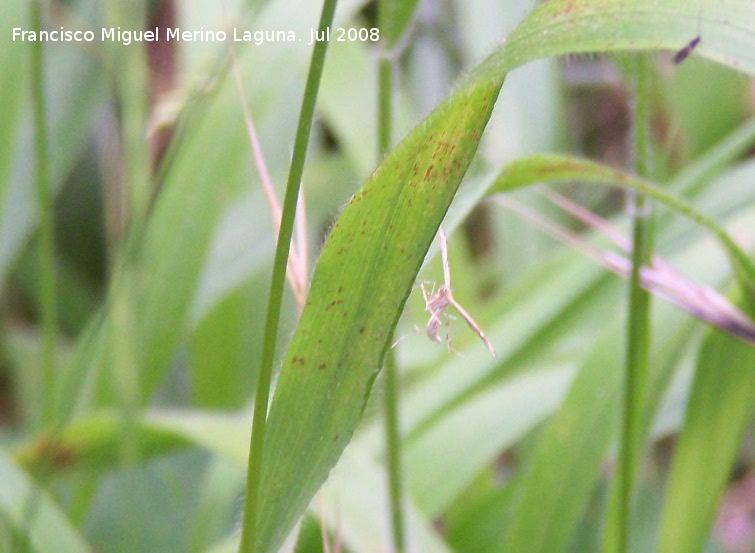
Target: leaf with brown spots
{"x":365,"y":273}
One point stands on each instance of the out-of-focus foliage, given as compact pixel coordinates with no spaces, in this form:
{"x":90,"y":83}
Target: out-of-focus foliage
{"x":160,"y":325}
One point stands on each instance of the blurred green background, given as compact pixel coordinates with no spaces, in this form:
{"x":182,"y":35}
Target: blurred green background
{"x":150,"y":167}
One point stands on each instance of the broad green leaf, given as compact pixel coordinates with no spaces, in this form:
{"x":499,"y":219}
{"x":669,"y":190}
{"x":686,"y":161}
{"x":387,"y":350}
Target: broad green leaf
{"x":719,"y":408}
{"x":36,"y":524}
{"x":362,"y":279}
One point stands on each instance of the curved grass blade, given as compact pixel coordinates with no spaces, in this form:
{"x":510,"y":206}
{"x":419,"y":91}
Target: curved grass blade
{"x":553,"y":168}
{"x":727,"y":29}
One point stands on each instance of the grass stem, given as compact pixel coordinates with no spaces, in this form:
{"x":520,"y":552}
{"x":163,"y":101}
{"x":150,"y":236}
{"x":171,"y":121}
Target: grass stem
{"x":272,"y":320}
{"x":393,"y":452}
{"x":638,"y":312}
{"x":386,"y":9}
{"x":45,"y":244}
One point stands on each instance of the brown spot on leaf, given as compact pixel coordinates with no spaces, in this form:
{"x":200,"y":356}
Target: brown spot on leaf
{"x":54,"y":454}
{"x":568,"y":6}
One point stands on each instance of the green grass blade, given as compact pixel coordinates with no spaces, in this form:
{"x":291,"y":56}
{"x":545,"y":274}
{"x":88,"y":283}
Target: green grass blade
{"x":13,"y":83}
{"x":719,"y":408}
{"x":701,"y":171}
{"x":249,"y":537}
{"x":45,"y":220}
{"x":445,"y":459}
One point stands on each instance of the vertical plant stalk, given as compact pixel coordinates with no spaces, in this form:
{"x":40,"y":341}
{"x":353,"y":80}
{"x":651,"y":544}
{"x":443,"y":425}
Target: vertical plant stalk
{"x":132,"y":83}
{"x":45,"y":246}
{"x":638,"y":312}
{"x":393,"y":452}
{"x":42,"y":413}
{"x":386,"y":9}
{"x":128,"y":66}
{"x":272,"y":319}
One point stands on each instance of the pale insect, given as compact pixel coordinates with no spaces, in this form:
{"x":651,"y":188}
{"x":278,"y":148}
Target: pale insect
{"x":436,"y":302}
